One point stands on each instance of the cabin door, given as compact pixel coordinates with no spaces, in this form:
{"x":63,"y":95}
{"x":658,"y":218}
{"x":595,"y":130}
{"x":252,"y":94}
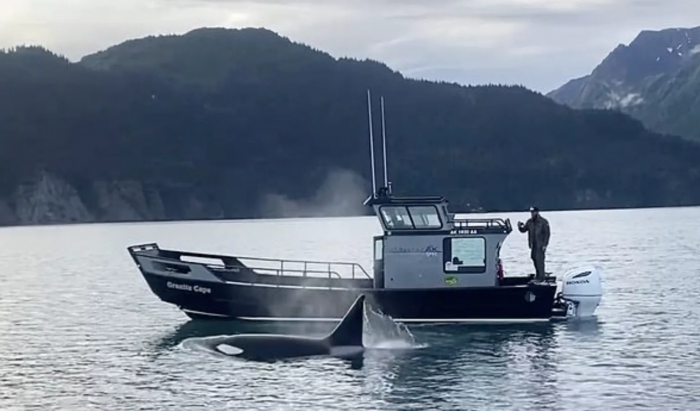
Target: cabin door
{"x":379,"y":262}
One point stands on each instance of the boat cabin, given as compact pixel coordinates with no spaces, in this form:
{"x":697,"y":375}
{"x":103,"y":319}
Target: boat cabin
{"x":424,"y":246}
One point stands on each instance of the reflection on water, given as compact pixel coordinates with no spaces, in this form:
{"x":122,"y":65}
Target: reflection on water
{"x":461,"y":357}
{"x":504,"y":361}
{"x":380,"y":331}
{"x":80,"y":330}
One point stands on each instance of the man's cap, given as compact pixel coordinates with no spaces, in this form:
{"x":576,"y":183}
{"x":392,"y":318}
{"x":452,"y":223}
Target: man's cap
{"x":534,"y":209}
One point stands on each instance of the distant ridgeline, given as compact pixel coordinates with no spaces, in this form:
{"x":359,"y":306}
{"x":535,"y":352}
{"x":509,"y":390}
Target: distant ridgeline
{"x":224,"y":123}
{"x":656,"y":79}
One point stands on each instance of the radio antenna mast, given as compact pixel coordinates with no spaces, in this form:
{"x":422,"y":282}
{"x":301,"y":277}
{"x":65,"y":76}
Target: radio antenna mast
{"x":371,"y":141}
{"x":386,"y":176}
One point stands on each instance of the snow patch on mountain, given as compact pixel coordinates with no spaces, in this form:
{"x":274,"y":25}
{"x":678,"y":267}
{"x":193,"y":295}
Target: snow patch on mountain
{"x":623,"y":99}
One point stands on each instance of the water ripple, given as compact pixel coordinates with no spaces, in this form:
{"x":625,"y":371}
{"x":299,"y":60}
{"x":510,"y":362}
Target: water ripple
{"x":79,"y":329}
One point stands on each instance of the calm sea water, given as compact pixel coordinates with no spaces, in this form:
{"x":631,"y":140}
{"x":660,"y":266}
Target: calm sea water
{"x":80,"y":330}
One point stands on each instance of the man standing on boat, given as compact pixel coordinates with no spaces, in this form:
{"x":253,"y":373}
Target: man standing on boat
{"x":537,"y":229}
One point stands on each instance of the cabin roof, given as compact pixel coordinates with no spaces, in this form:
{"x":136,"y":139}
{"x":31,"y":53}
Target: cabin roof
{"x":404,"y":200}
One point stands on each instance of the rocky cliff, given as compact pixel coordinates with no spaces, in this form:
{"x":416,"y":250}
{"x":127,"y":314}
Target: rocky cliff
{"x":656,"y":79}
{"x":48,"y":199}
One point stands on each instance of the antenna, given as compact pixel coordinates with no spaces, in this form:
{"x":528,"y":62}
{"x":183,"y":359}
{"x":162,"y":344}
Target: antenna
{"x":386,"y":176}
{"x":371,"y":141}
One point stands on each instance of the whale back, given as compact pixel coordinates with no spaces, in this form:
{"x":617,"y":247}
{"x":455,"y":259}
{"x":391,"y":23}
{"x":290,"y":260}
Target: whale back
{"x":344,"y":340}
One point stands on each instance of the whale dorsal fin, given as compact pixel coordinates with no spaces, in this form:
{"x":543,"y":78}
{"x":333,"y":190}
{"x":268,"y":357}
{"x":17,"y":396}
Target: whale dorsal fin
{"x":349,"y":331}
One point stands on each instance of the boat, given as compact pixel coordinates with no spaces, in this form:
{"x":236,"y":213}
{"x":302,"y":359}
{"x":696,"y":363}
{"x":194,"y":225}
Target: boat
{"x":428,"y":267}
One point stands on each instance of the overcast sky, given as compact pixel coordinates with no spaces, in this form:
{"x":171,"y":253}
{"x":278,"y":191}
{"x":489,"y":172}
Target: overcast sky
{"x":537,"y":43}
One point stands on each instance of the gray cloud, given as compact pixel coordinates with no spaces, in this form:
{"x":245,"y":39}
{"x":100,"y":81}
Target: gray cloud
{"x":538,"y":43}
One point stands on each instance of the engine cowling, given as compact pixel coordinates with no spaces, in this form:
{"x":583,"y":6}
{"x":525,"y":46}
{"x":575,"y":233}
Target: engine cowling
{"x":582,"y":289}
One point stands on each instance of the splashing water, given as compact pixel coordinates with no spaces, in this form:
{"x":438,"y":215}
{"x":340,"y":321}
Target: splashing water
{"x":382,"y":332}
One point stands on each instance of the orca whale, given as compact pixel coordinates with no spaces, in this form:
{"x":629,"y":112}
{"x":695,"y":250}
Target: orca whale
{"x":344,"y":341}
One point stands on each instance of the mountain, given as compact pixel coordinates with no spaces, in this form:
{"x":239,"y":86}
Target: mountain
{"x":220,"y":123}
{"x":656,"y":79}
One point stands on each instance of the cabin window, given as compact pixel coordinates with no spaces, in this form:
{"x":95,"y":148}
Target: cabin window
{"x":407,"y":218}
{"x":396,"y":217}
{"x":447,"y":214}
{"x":425,"y":216}
{"x":171,"y":268}
{"x":465,"y":255}
{"x":379,"y":249}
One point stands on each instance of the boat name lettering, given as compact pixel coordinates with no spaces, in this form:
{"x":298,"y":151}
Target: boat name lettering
{"x":577,"y":282}
{"x":190,"y":288}
{"x":430,"y":251}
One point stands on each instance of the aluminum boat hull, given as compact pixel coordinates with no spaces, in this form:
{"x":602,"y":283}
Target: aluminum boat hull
{"x":264,"y":302}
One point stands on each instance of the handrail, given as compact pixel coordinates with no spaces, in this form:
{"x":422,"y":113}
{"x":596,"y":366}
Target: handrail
{"x":486,"y":224}
{"x":285,"y":267}
{"x":281,"y":272}
{"x":226,"y":261}
{"x":295,"y":261}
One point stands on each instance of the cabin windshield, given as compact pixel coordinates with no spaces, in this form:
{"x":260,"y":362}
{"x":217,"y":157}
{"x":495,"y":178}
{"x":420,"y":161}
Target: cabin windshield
{"x":411,"y":217}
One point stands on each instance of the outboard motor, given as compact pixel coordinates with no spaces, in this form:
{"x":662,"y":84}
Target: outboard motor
{"x":581,"y":291}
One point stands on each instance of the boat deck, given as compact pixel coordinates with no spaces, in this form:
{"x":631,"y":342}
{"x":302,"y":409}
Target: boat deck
{"x":264,"y":271}
{"x":270,"y":272}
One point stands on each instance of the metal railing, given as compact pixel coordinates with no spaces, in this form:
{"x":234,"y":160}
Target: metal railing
{"x":275,"y":266}
{"x":285,"y":267}
{"x":305,"y":268}
{"x":482,"y":224}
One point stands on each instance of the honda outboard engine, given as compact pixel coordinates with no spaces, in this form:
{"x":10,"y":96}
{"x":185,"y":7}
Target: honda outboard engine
{"x":582,"y":291}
